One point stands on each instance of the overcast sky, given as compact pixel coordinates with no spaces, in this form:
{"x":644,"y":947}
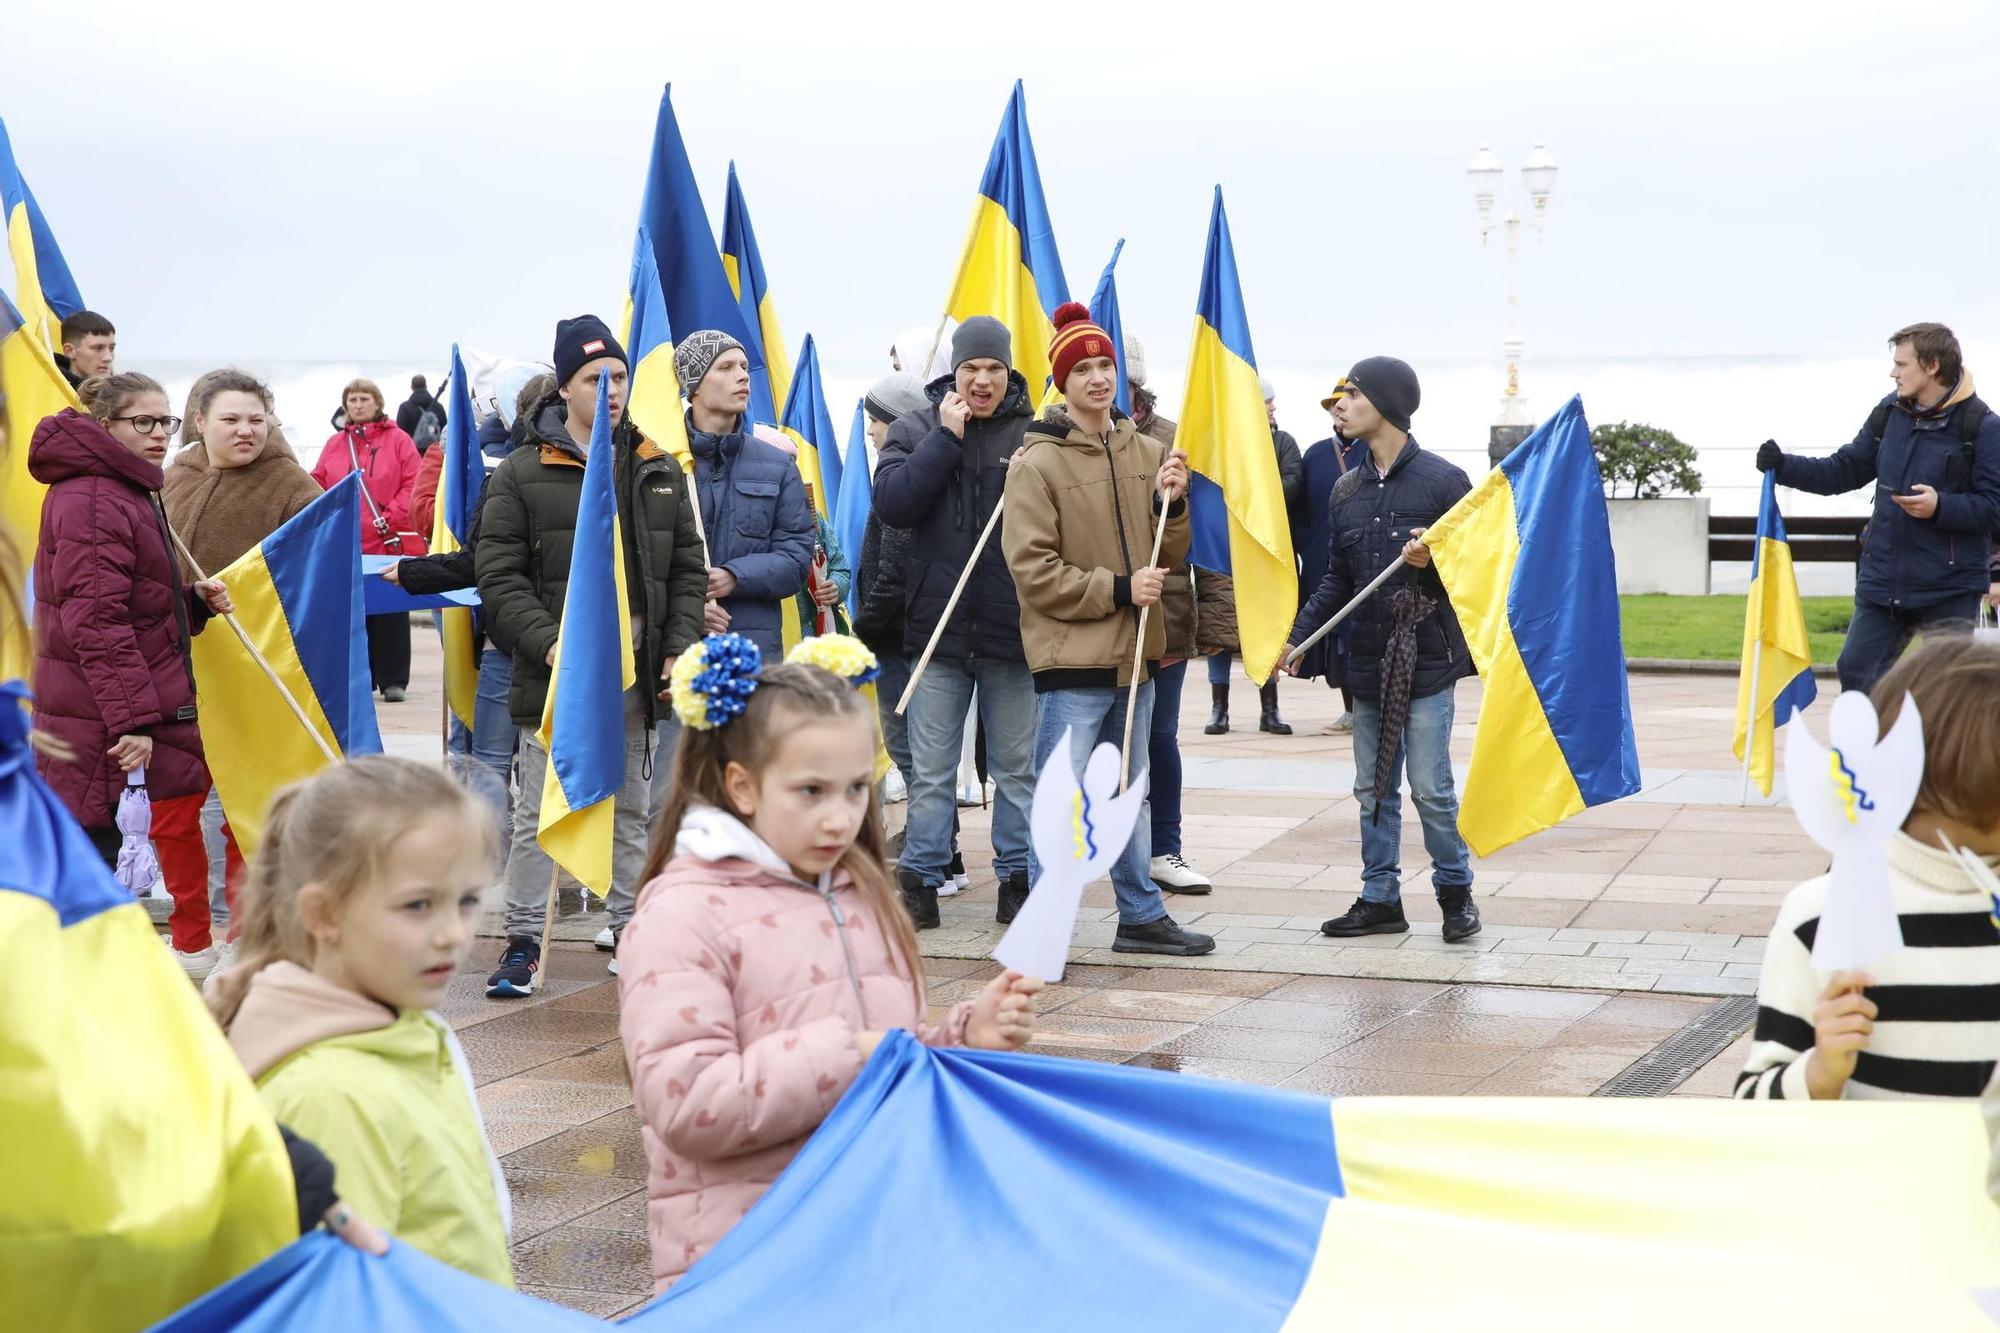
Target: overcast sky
{"x":374,"y":180}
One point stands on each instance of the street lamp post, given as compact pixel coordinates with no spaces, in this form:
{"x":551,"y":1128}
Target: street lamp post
{"x":1538,"y":177}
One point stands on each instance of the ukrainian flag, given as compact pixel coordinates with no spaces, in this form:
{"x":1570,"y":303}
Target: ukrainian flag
{"x":1777,"y":679}
{"x":451,"y":527}
{"x":806,"y":420}
{"x":1104,"y":314}
{"x":1526,"y":557}
{"x":857,"y":501}
{"x":1236,"y":501}
{"x":141,"y":1167}
{"x":35,"y":389}
{"x":679,"y":286}
{"x":1011,"y":270}
{"x":744,"y":264}
{"x":42,"y":280}
{"x":583,"y":722}
{"x":298,"y":597}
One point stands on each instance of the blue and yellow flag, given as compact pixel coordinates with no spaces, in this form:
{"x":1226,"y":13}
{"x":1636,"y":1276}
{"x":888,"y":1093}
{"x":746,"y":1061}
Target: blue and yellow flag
{"x":583,"y":722}
{"x":142,"y":1169}
{"x":298,"y":598}
{"x":1777,"y":679}
{"x":1236,"y":501}
{"x":35,"y":389}
{"x":806,"y":420}
{"x":1104,"y":314}
{"x":1526,"y":557}
{"x":678,"y":287}
{"x":459,"y":483}
{"x":42,"y":282}
{"x":744,"y":263}
{"x":1011,"y":270}
{"x":857,"y":501}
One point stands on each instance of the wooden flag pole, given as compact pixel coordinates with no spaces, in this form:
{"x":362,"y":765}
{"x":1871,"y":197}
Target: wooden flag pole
{"x":1345,"y":611}
{"x":1138,"y":661}
{"x":251,"y":648}
{"x":549,"y":913}
{"x":923,"y":372}
{"x":951,"y":604}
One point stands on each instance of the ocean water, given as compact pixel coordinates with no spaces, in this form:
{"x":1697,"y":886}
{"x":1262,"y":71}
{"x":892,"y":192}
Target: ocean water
{"x":1723,"y":406}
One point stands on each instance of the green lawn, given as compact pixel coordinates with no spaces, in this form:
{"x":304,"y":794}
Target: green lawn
{"x":1711,"y":628}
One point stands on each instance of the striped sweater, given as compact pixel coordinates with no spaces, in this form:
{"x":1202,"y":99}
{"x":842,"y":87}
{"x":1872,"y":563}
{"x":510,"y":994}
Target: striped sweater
{"x":1938,"y":1030}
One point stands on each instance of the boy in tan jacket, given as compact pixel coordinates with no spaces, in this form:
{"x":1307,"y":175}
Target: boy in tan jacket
{"x":1082,"y":499}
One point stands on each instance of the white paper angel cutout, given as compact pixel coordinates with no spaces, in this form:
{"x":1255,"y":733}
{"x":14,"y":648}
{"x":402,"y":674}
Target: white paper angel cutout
{"x":1850,"y":799}
{"x":1079,"y":831}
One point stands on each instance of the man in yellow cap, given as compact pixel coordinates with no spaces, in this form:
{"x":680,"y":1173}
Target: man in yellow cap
{"x":1326,"y":462}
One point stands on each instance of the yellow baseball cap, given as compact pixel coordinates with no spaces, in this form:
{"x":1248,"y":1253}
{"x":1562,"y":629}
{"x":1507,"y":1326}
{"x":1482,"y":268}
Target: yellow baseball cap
{"x":1339,"y":391}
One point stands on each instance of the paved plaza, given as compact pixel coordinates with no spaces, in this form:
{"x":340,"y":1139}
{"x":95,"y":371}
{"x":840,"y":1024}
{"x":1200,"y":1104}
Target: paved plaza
{"x":1604,"y":939}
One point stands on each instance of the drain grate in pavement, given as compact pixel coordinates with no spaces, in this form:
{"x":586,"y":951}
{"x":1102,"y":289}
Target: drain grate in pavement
{"x":1678,"y":1058}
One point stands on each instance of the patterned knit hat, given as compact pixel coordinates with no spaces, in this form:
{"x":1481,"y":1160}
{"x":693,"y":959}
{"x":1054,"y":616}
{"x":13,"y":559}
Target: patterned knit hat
{"x":1077,"y":339}
{"x":696,"y":353}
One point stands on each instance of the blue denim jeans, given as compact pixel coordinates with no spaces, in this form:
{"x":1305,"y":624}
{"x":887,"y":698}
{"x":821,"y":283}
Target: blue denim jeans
{"x":936,"y":721}
{"x":1878,"y":634}
{"x":1218,"y":667}
{"x":483,"y":758}
{"x":889,"y":688}
{"x":1094,"y":717}
{"x":1163,"y":757}
{"x":1425,"y":755}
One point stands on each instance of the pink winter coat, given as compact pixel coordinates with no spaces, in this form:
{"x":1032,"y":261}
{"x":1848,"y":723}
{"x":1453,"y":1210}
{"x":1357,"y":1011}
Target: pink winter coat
{"x":741,"y":989}
{"x":389,"y":466}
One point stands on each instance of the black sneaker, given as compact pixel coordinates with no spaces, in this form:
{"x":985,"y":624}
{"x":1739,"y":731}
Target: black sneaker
{"x":1013,"y":893}
{"x":1162,"y":936}
{"x":515,"y":977}
{"x":919,"y":899}
{"x":393,"y":694}
{"x":1366,"y":918}
{"x":1461,"y":917}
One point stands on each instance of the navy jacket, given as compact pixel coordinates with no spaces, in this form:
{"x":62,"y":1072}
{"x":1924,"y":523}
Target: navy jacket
{"x":1370,"y":516}
{"x":943,"y":490}
{"x":1913,"y":562}
{"x":1325,"y":463}
{"x":759,"y":527}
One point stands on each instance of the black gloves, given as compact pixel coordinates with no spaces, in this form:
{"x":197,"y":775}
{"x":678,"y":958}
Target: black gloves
{"x":1769,"y":455}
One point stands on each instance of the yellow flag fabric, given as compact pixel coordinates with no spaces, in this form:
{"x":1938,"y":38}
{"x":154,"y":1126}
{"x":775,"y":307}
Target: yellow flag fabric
{"x":35,"y":389}
{"x":1777,"y":679}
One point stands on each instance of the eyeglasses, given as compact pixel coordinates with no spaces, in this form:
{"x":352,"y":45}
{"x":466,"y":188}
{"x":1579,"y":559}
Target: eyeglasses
{"x":144,"y":424}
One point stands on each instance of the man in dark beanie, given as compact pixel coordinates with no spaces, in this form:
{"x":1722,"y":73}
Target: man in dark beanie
{"x":941,"y":473}
{"x":526,"y":539}
{"x":1405,"y":652}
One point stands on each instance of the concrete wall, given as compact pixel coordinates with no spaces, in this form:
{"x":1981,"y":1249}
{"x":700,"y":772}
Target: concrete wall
{"x":1662,"y":545}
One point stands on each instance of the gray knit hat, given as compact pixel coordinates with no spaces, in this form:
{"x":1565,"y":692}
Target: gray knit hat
{"x":894,"y":395}
{"x":696,"y":353}
{"x":982,"y":336}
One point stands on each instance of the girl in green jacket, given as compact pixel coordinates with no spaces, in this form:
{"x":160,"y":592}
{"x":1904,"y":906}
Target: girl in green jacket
{"x":362,"y":904}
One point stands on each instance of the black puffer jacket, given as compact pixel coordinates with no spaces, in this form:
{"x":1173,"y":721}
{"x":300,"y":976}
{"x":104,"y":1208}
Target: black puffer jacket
{"x":1371,"y":516}
{"x":943,"y":490}
{"x":878,"y":611}
{"x":527,"y":532}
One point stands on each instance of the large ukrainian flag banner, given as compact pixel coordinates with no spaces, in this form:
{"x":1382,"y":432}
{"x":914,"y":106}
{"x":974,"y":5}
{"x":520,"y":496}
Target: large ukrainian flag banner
{"x":810,"y":425}
{"x":35,"y":389}
{"x":298,"y":598}
{"x":583,"y":722}
{"x":1010,"y":269}
{"x":1236,"y":501}
{"x":141,"y":1168}
{"x":42,"y":282}
{"x":1526,"y":557}
{"x":1048,"y":1192}
{"x":459,"y":483}
{"x":744,"y":263}
{"x":1777,"y":679}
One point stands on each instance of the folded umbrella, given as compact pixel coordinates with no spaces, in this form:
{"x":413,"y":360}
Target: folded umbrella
{"x":138,"y":869}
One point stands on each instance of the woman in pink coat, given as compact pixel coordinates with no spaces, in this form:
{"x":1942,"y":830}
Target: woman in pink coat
{"x":387,"y":459}
{"x":768,"y":953}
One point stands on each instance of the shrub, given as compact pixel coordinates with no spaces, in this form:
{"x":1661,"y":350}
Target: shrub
{"x":1649,"y":462}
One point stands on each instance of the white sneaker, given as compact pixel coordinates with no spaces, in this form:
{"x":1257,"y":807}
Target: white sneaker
{"x":605,"y":942}
{"x":612,"y":966}
{"x":1172,"y":873}
{"x":894,"y":789}
{"x":198,"y":964}
{"x":1340,"y":726}
{"x":225,"y":956}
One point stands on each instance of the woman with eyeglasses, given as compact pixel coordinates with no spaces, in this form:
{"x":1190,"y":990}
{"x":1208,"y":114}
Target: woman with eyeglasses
{"x":114,"y":682}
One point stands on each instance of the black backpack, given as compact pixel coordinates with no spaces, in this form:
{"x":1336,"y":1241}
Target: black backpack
{"x":1971,"y":416}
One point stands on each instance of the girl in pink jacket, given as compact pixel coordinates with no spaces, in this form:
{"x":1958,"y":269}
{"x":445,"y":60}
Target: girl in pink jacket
{"x":768,"y":952}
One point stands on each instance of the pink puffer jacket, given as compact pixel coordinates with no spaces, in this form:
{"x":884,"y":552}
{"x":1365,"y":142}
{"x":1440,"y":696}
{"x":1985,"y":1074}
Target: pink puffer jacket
{"x":741,"y":989}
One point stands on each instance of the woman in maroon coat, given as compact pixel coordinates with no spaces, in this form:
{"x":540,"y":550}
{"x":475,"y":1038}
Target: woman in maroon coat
{"x":113,"y":679}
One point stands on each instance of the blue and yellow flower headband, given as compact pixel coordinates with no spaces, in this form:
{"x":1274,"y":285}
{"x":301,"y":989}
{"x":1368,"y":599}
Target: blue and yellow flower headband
{"x":712,"y":682}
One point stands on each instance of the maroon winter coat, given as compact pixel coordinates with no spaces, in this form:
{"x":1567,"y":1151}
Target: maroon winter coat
{"x":111,"y":621}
